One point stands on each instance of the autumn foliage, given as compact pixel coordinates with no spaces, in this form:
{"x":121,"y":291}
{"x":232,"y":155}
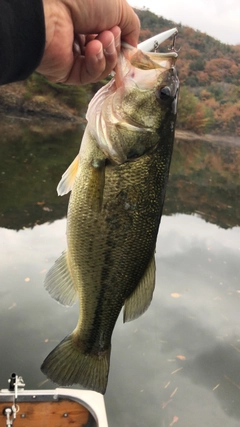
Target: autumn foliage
{"x":209,"y":73}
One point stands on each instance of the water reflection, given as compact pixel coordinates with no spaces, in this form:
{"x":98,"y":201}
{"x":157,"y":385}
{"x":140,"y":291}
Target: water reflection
{"x":204,"y":177}
{"x":186,"y":348}
{"x":33,"y":158}
{"x":179,"y":363}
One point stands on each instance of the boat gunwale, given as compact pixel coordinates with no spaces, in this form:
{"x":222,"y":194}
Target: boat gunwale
{"x":91,"y":400}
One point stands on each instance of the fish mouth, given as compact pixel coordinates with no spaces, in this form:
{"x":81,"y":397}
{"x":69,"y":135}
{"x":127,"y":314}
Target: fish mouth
{"x":151,"y":45}
{"x":146,"y":58}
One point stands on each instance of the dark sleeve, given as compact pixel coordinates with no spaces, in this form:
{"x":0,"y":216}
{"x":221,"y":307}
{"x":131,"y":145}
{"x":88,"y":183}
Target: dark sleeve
{"x":22,"y":38}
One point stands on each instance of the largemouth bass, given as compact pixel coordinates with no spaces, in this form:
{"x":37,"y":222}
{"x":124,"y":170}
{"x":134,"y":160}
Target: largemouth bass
{"x":118,"y":183}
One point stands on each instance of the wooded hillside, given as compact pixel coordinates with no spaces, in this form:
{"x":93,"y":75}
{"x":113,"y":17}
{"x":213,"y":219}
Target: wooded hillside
{"x":209,"y":73}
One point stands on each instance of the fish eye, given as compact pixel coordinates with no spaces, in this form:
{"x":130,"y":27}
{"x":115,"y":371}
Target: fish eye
{"x":164,"y":93}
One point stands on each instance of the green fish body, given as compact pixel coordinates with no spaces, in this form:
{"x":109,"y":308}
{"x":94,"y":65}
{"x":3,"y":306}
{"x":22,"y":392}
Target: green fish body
{"x":118,"y":183}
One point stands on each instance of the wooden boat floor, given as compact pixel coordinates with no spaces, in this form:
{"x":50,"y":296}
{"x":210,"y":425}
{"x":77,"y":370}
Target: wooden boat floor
{"x":45,"y":414}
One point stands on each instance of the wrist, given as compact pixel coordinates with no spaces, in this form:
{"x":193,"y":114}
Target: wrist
{"x":55,"y":15}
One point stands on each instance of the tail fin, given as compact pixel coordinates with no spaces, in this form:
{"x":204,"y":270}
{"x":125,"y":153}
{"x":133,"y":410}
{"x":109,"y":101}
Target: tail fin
{"x":67,"y":365}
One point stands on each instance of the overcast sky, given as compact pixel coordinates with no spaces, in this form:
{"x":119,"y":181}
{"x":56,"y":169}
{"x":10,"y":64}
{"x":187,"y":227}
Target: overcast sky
{"x":218,"y":18}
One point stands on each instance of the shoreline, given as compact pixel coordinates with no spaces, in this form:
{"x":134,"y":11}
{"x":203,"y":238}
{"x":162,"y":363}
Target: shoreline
{"x":67,"y":119}
{"x":208,"y":137}
{"x":15,"y":105}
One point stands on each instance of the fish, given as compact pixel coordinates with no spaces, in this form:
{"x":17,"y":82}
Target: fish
{"x":118,"y":183}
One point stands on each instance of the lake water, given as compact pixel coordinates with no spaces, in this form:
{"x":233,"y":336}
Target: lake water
{"x":179,"y":364}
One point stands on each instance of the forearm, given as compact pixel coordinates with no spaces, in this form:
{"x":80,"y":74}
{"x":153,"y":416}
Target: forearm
{"x":22,"y":38}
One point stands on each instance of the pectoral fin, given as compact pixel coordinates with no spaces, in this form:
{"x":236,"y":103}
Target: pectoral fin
{"x":58,"y":282}
{"x":68,"y":178}
{"x":138,"y":302}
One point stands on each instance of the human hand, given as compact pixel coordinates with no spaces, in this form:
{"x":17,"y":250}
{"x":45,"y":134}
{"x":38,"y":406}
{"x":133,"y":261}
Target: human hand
{"x":95,"y":28}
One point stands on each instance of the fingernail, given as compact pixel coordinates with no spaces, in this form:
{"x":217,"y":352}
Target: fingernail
{"x":110,"y":49}
{"x":100,"y":54}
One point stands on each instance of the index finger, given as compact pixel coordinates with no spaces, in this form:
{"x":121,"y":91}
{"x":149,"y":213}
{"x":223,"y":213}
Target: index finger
{"x":130,"y":26}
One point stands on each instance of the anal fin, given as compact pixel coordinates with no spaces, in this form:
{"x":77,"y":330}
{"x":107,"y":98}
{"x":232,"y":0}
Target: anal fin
{"x":59,"y":283}
{"x":138,"y":302}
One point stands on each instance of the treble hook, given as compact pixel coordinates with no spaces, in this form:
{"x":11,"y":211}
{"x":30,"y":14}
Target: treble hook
{"x":156,"y":46}
{"x":172,"y":48}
